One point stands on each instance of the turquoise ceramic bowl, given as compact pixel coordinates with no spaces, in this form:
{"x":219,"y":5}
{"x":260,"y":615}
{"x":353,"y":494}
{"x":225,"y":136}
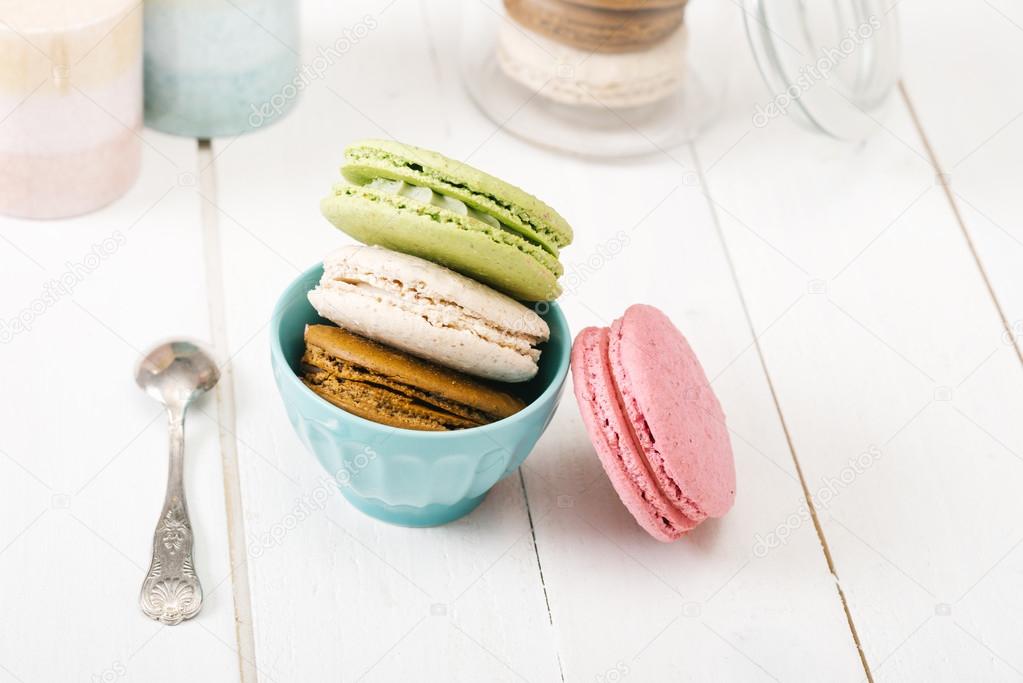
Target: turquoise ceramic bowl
{"x":403,"y":476}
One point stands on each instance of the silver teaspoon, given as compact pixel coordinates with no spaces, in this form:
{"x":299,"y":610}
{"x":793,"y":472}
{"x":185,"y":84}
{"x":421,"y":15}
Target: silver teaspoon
{"x":175,"y":374}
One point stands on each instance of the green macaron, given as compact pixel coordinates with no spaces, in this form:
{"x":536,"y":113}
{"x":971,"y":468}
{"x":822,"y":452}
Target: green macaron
{"x":422,"y":203}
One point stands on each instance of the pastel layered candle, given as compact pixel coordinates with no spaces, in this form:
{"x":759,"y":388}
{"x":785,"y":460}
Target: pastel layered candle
{"x":70,"y":104}
{"x":216,"y":68}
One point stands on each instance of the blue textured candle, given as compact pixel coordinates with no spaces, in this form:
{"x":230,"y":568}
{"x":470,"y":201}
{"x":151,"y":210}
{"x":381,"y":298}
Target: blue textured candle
{"x":219,"y":67}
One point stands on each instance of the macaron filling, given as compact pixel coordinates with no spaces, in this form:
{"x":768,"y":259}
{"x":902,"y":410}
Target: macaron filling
{"x":370,"y":161}
{"x":428,"y":196}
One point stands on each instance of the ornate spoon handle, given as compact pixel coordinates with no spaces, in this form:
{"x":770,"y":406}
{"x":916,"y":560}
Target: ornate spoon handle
{"x":171,"y":592}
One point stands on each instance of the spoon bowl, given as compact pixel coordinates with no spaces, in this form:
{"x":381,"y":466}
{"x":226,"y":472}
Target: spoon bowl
{"x":177,"y":372}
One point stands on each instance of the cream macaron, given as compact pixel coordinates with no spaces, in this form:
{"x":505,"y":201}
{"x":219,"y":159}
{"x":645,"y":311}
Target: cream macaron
{"x":578,"y":77}
{"x":429,"y":311}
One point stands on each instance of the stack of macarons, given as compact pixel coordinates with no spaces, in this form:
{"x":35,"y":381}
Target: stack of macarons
{"x":598,"y":53}
{"x":430,"y":332}
{"x":433,"y":334}
{"x":604,"y":26}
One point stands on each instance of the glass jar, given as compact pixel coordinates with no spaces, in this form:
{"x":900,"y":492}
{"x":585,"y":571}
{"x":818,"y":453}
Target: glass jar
{"x":70,"y":105}
{"x":219,"y":68}
{"x":612,"y":78}
{"x":828,"y":63}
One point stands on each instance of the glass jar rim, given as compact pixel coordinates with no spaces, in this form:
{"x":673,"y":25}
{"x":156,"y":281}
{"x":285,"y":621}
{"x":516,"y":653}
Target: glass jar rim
{"x":833,"y":64}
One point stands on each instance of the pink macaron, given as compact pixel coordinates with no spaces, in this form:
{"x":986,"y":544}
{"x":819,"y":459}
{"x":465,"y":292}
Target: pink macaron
{"x":655,"y":423}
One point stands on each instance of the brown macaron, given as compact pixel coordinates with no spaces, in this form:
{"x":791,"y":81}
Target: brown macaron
{"x":390,"y":387}
{"x":597,"y":28}
{"x":629,"y":5}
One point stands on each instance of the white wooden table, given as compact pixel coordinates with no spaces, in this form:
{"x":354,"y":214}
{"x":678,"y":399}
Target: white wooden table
{"x":859,"y":308}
